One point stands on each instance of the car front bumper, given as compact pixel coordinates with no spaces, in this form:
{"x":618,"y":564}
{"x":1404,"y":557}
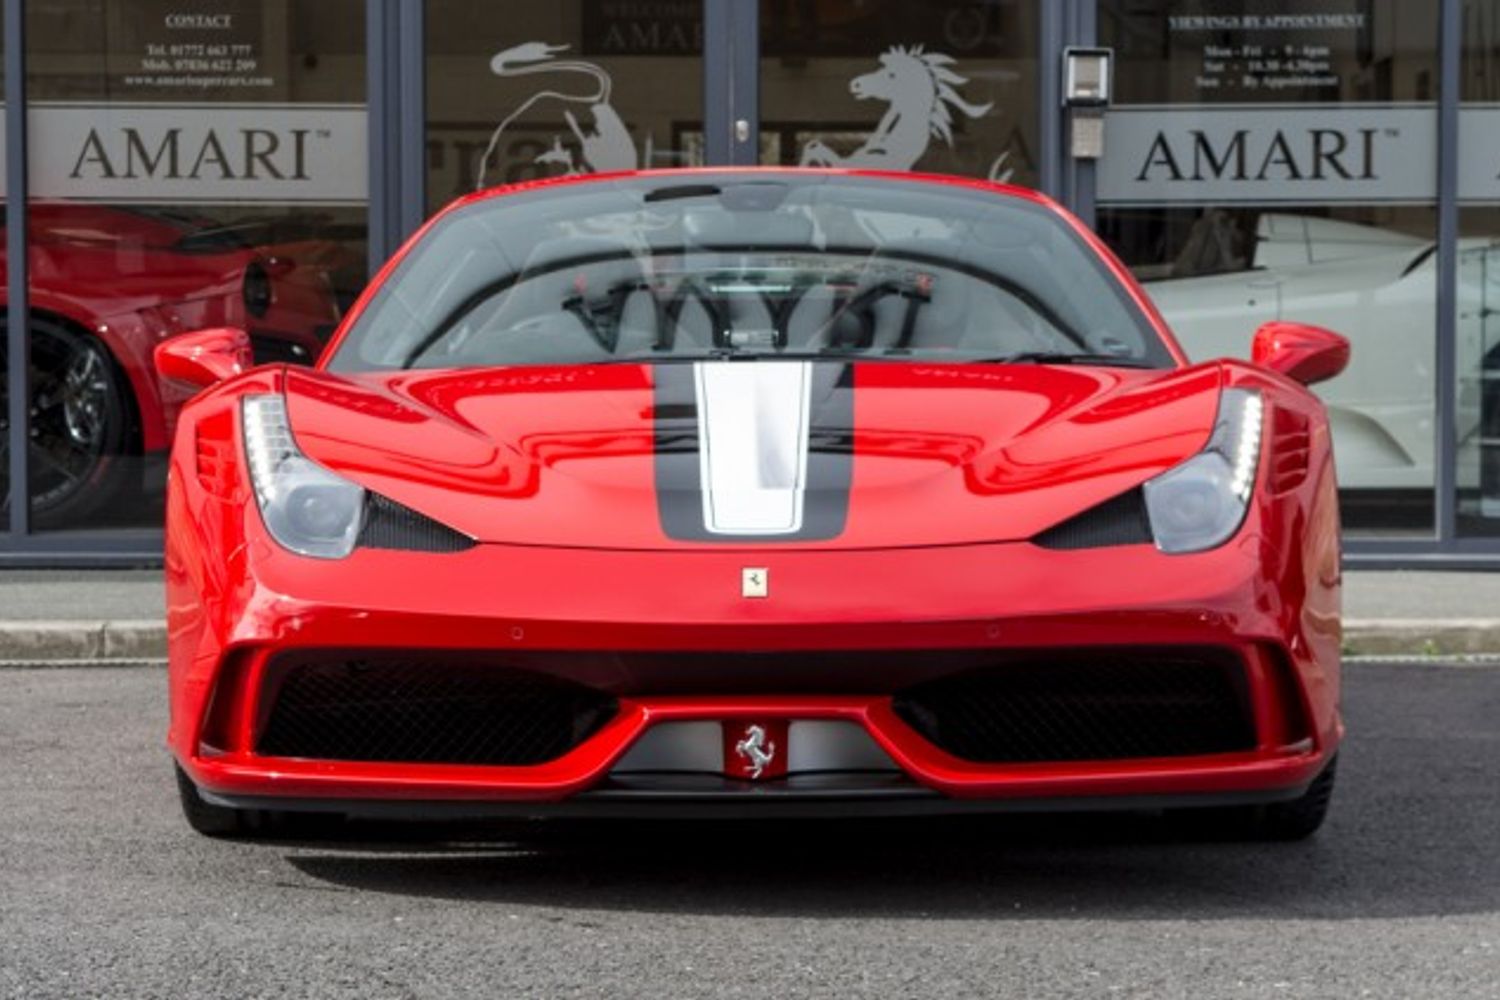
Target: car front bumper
{"x":1004,"y":597}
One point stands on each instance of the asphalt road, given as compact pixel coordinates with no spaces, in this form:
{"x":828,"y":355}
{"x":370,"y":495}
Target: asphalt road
{"x":105,"y":892}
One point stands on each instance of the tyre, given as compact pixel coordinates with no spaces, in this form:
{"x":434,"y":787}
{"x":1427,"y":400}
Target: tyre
{"x":1299,"y":818}
{"x":1295,"y":819}
{"x":81,"y":425}
{"x":209,"y":819}
{"x":223,"y":821}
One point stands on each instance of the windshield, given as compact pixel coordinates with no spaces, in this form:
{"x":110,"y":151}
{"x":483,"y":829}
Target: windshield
{"x":664,"y":267}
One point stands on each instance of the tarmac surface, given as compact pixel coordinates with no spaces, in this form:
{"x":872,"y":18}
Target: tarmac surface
{"x":104,"y":891}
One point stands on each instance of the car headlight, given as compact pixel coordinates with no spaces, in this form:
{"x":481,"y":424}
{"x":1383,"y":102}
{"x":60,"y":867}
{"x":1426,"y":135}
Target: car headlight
{"x":306,"y":508}
{"x":1202,"y":502}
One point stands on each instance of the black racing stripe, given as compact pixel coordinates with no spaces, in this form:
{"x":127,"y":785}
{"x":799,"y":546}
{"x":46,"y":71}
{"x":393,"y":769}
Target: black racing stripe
{"x":679,"y":482}
{"x":830,"y":458}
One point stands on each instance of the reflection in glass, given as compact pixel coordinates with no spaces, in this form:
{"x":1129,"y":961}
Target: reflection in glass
{"x":189,"y":168}
{"x":519,"y":92}
{"x":1277,"y":190}
{"x":941,"y":86}
{"x":1478,"y":320}
{"x":1367,"y":273}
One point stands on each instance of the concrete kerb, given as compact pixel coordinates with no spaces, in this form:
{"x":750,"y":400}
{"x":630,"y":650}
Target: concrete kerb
{"x":83,"y":641}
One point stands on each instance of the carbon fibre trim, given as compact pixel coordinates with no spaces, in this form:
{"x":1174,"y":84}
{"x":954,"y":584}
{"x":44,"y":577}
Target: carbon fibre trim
{"x":390,"y":525}
{"x":1122,"y":520}
{"x":735,"y":800}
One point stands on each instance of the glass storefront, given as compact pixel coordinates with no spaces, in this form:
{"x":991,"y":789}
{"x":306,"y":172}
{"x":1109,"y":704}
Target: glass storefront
{"x":1264,"y":167}
{"x":5,"y":387}
{"x":190,"y":166}
{"x":199,"y":164}
{"x":940,"y":86}
{"x":1477,"y":428}
{"x":521,"y":91}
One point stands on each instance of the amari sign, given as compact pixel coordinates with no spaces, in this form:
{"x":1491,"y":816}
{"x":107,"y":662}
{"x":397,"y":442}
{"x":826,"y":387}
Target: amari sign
{"x":1290,"y":154}
{"x":199,"y":153}
{"x":1268,"y":155}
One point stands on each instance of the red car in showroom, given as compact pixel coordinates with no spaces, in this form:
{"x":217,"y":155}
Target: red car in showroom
{"x":109,"y":283}
{"x":753,"y":491}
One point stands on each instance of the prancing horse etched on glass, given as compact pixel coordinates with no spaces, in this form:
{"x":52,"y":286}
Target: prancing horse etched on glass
{"x":921,"y":91}
{"x":919,"y":87}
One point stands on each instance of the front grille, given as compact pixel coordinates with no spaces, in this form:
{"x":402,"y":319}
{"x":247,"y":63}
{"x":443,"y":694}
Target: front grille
{"x":426,"y":712}
{"x":1091,"y":705}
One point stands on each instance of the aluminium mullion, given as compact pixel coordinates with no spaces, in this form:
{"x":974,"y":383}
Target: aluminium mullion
{"x":410,"y":105}
{"x":18,"y":314}
{"x":1050,"y":35}
{"x":377,"y":117}
{"x":1085,"y":33}
{"x":744,"y":58}
{"x":718,"y":83}
{"x":1445,"y":468}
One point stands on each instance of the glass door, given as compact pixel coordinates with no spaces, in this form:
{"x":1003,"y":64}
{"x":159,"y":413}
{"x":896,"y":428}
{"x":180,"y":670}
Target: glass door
{"x":525,"y":91}
{"x":939,"y":86}
{"x":190,"y":166}
{"x":1263,"y":166}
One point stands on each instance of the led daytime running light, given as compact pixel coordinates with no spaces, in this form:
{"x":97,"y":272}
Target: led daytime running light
{"x":268,"y":442}
{"x":1246,"y":457}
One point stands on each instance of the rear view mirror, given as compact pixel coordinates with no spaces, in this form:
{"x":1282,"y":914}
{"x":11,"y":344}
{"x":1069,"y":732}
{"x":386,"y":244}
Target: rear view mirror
{"x":1307,"y":354}
{"x":204,"y":357}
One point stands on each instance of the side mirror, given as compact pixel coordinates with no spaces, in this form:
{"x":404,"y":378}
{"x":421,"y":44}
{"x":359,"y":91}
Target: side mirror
{"x":1305,"y":353}
{"x":204,"y":357}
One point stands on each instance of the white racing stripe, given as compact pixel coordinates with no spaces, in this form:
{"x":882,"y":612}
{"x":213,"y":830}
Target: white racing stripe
{"x":753,"y":429}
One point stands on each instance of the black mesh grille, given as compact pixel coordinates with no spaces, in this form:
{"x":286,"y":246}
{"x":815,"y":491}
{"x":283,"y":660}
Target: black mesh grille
{"x":1121,"y":521}
{"x":1106,"y":705}
{"x":389,"y":525}
{"x":427,"y":712}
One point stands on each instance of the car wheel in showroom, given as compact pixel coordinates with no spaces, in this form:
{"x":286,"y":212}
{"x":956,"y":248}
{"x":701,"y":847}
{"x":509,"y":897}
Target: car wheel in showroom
{"x":81,"y":424}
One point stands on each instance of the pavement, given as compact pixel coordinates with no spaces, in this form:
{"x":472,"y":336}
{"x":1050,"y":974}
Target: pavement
{"x":104,"y":891}
{"x":61,"y":617}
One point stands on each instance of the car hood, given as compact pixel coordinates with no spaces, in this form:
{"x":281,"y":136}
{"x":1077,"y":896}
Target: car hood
{"x":729,"y":454}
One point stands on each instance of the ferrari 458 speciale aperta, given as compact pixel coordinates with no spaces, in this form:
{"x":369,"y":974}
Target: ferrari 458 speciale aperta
{"x":754,"y":491}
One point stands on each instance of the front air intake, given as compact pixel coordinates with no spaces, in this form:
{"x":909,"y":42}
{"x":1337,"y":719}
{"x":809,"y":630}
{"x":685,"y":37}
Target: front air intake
{"x":1087,"y":705}
{"x":425,"y":712}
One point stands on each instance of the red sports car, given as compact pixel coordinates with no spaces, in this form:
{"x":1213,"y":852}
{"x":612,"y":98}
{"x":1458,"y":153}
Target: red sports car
{"x":107,"y":285}
{"x":757,"y":491}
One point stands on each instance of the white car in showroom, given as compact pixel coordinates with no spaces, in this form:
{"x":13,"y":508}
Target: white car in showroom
{"x":1377,"y":287}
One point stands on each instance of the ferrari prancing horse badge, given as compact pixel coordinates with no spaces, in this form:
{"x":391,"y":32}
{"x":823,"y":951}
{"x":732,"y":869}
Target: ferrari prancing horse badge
{"x":755,"y":749}
{"x":755,"y":581}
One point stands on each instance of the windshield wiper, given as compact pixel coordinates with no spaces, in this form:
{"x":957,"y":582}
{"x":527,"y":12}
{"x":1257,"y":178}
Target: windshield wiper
{"x":1065,"y":358}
